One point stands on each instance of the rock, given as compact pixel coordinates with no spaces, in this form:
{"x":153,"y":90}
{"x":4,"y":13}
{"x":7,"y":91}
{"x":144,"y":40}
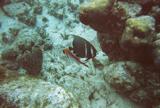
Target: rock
{"x":44,"y":19}
{"x":31,"y":61}
{"x":27,"y":38}
{"x":15,"y":9}
{"x":75,"y":85}
{"x":38,"y":9}
{"x":11,"y":65}
{"x":108,"y":16}
{"x":30,"y":57}
{"x":126,"y":34}
{"x":56,"y":9}
{"x":96,"y":15}
{"x":110,"y":45}
{"x":5,"y":104}
{"x":4,"y":2}
{"x":157,"y":106}
{"x":29,"y":20}
{"x":110,"y":24}
{"x":9,"y":54}
{"x":119,"y":78}
{"x":142,"y":23}
{"x":126,"y":78}
{"x":6,"y":38}
{"x":92,"y":6}
{"x":29,"y":92}
{"x":25,"y":51}
{"x":131,"y":9}
{"x":14,"y":31}
{"x":23,"y":11}
{"x":48,"y":46}
{"x":137,"y":36}
{"x":113,"y":30}
{"x":110,"y":31}
{"x":79,"y":80}
{"x":87,"y":85}
{"x":6,"y":74}
{"x":156,"y":50}
{"x":101,"y":60}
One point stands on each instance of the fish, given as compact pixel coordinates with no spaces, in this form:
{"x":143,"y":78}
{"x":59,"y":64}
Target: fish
{"x":83,"y":48}
{"x":70,"y":54}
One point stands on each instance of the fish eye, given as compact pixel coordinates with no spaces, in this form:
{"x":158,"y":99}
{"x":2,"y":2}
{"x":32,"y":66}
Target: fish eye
{"x":70,"y":48}
{"x":63,"y":52}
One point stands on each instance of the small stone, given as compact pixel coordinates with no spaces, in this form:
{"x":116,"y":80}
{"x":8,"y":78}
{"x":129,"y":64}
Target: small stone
{"x":38,"y":9}
{"x":44,"y":19}
{"x":15,"y":9}
{"x":48,"y":46}
{"x":28,"y":20}
{"x":14,"y":31}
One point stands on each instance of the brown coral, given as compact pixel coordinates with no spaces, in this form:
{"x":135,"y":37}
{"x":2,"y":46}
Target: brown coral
{"x":107,"y":20}
{"x":6,"y":74}
{"x":31,"y":61}
{"x":126,"y":34}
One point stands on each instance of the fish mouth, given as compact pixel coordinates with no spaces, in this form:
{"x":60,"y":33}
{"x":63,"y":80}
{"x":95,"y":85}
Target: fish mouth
{"x":65,"y":50}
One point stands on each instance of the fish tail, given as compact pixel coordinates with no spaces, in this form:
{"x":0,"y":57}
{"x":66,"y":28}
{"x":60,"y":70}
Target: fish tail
{"x":85,"y":65}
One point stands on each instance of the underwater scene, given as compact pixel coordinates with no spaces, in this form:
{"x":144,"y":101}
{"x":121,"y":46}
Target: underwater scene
{"x":79,"y":53}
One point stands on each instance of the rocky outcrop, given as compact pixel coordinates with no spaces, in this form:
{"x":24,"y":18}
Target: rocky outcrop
{"x":6,"y":74}
{"x":25,"y":51}
{"x":56,"y":24}
{"x":133,"y":81}
{"x":15,"y":9}
{"x":31,"y":61}
{"x":22,"y":92}
{"x":25,"y":11}
{"x":128,"y":31}
{"x":138,"y":35}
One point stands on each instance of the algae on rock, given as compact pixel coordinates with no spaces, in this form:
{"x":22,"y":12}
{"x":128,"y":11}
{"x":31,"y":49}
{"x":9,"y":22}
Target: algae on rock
{"x":128,"y":32}
{"x":29,"y":92}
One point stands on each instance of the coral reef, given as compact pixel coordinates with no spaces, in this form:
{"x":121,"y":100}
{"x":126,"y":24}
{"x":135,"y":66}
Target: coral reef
{"x":3,"y":3}
{"x":6,"y":74}
{"x":35,"y":34}
{"x":128,"y":31}
{"x":29,"y":92}
{"x":31,"y":61}
{"x":110,"y":18}
{"x":25,"y":11}
{"x":138,"y":35}
{"x":126,"y":78}
{"x":156,"y":52}
{"x":38,"y":9}
{"x":14,"y":9}
{"x":25,"y":51}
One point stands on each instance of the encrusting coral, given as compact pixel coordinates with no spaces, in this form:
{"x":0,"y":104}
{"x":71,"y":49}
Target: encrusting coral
{"x":25,"y":51}
{"x":128,"y":30}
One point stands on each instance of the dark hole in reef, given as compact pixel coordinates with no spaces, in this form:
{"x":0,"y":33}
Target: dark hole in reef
{"x":139,"y":34}
{"x":91,"y":96}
